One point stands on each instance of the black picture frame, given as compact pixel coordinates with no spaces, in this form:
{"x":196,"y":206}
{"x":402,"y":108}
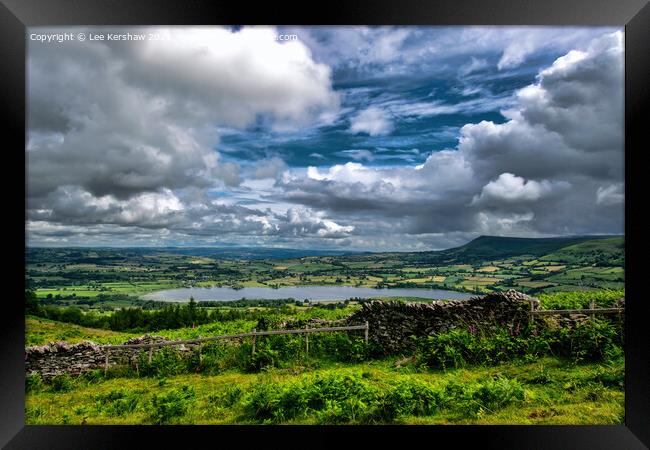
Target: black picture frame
{"x":634,"y":15}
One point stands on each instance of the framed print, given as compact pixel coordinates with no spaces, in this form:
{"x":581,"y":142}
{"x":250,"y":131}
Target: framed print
{"x":366,"y":220}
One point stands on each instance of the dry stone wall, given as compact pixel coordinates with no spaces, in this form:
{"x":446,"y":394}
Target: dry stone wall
{"x":391,"y":322}
{"x":58,"y":358}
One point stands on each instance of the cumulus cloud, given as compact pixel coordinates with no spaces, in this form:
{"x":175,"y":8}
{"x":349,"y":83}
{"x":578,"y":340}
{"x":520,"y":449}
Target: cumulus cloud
{"x":71,"y":204}
{"x":563,"y":131}
{"x":490,"y":223}
{"x":269,"y":168}
{"x":373,"y":121}
{"x":235,"y":75}
{"x":569,"y":122}
{"x":511,"y":188}
{"x":122,"y":141}
{"x":305,"y":222}
{"x":122,"y":119}
{"x":116,"y":130}
{"x":610,"y":195}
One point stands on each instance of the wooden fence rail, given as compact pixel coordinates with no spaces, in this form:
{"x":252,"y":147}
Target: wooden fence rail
{"x":240,"y":335}
{"x":547,"y":312}
{"x":253,"y":334}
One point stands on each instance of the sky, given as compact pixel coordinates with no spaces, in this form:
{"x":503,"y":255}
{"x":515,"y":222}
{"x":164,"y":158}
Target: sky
{"x":354,"y":138}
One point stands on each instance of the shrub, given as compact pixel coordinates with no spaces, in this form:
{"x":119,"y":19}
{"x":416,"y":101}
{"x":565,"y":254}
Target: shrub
{"x":610,"y":377}
{"x":173,"y":404}
{"x":496,"y":394}
{"x":164,"y":362}
{"x":92,"y":376}
{"x":459,"y":348}
{"x":338,"y":386}
{"x":595,"y":340}
{"x":227,"y":397}
{"x":446,"y":350}
{"x":262,"y":358}
{"x":33,"y":383}
{"x":338,"y":396}
{"x":216,"y":357}
{"x":592,"y":340}
{"x":349,"y":410}
{"x":580,"y":299}
{"x":339,"y":347}
{"x":33,"y":414}
{"x":261,"y":403}
{"x":410,"y":397}
{"x":469,"y":400}
{"x":60,"y":383}
{"x":289,"y":347}
{"x":117,"y":402}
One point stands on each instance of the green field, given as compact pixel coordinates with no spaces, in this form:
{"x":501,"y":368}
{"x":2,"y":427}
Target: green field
{"x":553,"y":375}
{"x":483,"y":265}
{"x":553,"y":393}
{"x":577,"y":380}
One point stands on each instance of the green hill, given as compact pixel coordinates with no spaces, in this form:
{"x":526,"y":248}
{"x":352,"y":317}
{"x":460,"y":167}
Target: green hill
{"x":601,"y":252}
{"x":486,"y":248}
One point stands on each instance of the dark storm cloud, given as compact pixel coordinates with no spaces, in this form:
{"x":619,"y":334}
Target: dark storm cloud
{"x":117,"y":130}
{"x":121,"y":119}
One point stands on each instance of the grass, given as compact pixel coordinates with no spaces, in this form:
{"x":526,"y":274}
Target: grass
{"x":555,"y":392}
{"x":40,"y":331}
{"x":110,"y":287}
{"x":580,"y":299}
{"x":550,"y":390}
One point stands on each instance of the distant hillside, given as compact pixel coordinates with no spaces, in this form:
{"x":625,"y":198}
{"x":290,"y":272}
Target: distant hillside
{"x":486,"y":248}
{"x":586,"y":250}
{"x":609,"y":252}
{"x":251,"y":252}
{"x":116,"y":254}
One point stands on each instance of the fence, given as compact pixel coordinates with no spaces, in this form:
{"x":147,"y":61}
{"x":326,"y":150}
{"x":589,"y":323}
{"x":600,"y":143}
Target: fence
{"x":306,"y":331}
{"x":591,"y":311}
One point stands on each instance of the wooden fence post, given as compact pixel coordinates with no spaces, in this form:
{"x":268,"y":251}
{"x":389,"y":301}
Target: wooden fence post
{"x":106,"y":363}
{"x":254,"y":338}
{"x":366,"y":332}
{"x":592,"y":305}
{"x":150,"y":353}
{"x":306,"y":342}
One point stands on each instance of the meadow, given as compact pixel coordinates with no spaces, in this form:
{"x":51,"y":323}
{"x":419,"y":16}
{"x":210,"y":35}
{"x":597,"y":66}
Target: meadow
{"x":76,"y":276}
{"x":547,"y":373}
{"x":547,"y":391}
{"x":543,"y":375}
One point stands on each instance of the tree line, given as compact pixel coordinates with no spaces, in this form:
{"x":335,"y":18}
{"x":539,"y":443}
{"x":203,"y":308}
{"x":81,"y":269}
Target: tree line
{"x":136,"y":319}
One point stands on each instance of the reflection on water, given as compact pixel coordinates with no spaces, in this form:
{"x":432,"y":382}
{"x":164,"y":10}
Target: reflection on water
{"x":314,"y":293}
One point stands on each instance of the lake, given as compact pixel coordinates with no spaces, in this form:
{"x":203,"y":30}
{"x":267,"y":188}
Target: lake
{"x":314,"y":293}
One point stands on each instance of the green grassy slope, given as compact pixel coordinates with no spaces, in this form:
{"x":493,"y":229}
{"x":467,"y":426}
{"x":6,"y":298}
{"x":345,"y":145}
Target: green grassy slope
{"x":486,"y":248}
{"x":610,"y":251}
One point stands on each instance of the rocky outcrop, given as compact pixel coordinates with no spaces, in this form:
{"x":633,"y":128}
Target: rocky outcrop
{"x":391,"y":323}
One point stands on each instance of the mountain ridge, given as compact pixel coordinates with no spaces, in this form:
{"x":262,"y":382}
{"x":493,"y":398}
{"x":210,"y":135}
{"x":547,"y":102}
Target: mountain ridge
{"x":481,"y":248}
